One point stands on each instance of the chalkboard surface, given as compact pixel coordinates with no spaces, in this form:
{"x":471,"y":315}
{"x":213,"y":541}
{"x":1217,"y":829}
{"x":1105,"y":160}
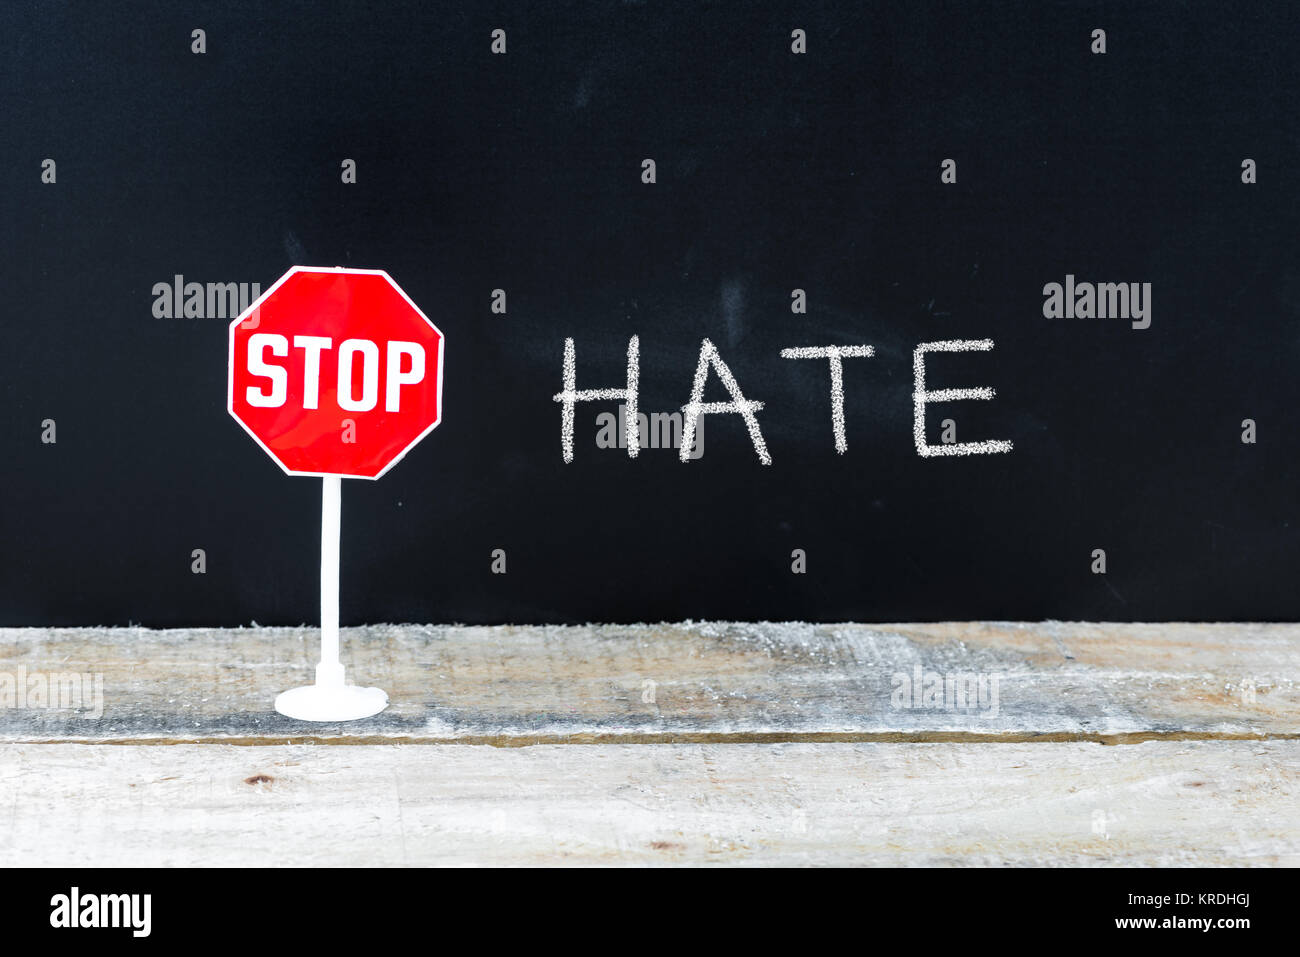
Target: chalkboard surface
{"x":795,"y":146}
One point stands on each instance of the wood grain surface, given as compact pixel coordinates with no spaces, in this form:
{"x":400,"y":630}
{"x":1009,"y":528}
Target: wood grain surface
{"x":698,"y":682}
{"x":692,"y":743}
{"x":1158,"y":803}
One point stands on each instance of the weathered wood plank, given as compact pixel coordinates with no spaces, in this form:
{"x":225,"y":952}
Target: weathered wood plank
{"x":1158,"y":803}
{"x":668,"y":682}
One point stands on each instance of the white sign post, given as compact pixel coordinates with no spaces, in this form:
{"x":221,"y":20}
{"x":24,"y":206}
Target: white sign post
{"x":330,"y":699}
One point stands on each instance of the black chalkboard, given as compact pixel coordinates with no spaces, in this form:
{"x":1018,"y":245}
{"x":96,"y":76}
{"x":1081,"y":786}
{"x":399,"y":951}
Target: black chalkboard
{"x":775,"y":170}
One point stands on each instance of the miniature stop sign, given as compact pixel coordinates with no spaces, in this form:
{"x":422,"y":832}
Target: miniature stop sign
{"x":335,"y":372}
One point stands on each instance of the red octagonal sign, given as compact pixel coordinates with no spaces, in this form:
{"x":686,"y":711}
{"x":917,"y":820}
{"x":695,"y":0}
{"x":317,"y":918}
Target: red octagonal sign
{"x":335,"y":372}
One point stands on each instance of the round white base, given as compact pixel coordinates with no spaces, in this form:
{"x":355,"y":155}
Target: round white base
{"x":326,"y":703}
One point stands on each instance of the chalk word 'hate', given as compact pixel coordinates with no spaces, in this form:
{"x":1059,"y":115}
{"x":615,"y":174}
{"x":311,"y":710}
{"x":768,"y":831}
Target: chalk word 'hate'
{"x":745,"y":408}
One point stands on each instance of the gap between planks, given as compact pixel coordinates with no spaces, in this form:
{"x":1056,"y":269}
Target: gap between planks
{"x":828,"y":737}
